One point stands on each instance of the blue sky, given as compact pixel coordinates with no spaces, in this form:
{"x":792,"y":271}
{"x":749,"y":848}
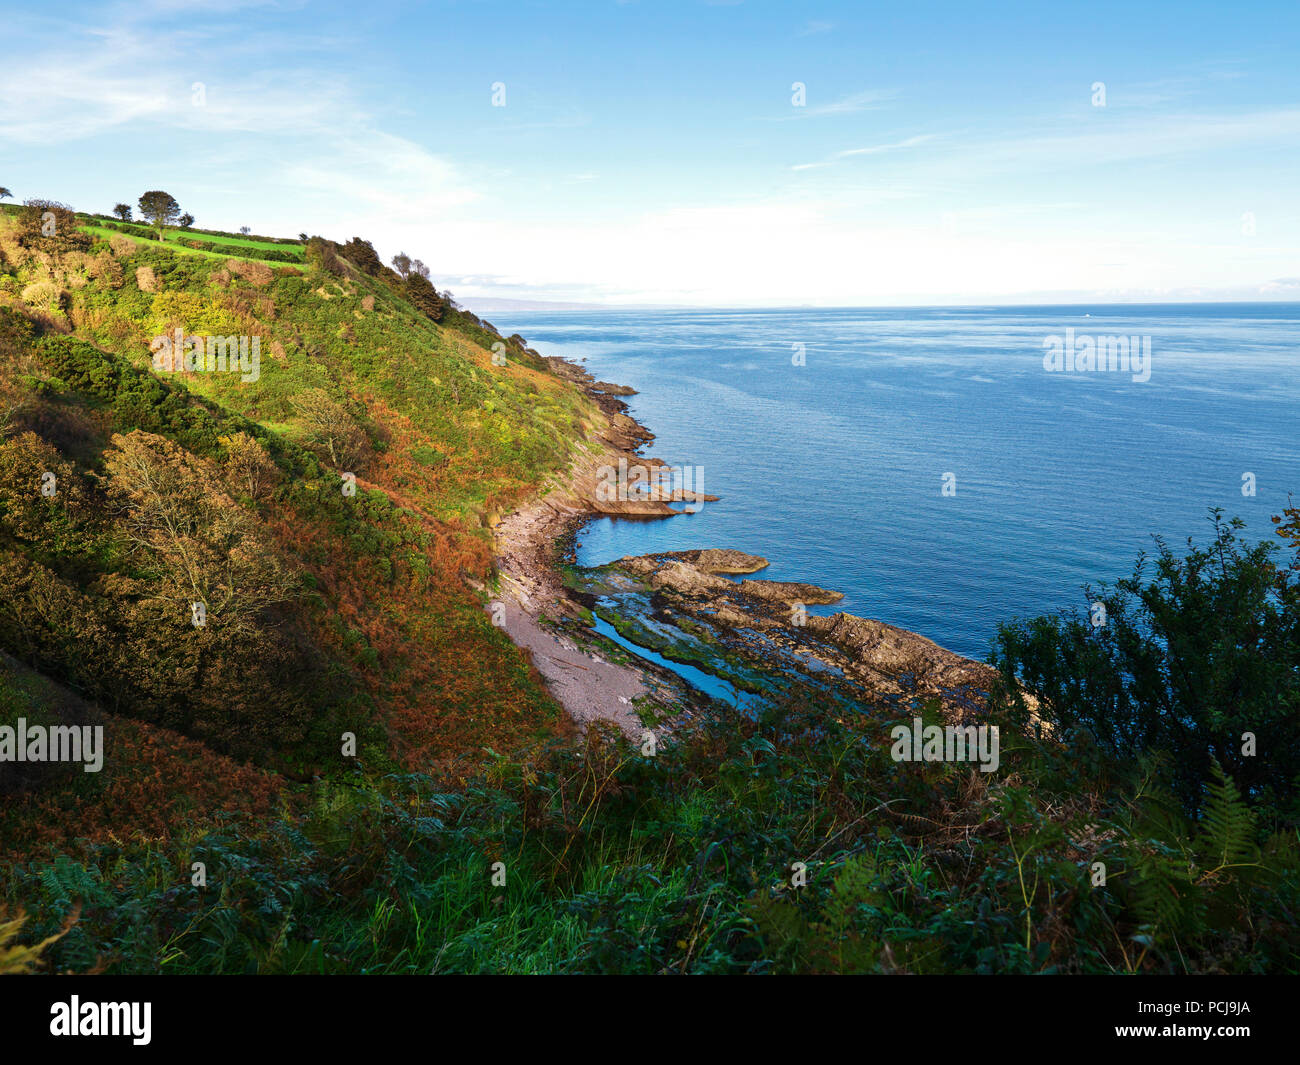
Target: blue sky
{"x":652,"y":152}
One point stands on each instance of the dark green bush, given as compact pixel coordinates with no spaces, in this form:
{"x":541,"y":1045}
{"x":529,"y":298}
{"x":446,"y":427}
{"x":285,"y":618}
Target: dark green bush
{"x":1196,"y":653}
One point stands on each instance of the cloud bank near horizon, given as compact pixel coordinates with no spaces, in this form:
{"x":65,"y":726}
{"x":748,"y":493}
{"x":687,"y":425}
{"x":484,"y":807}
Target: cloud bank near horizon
{"x":576,"y":161}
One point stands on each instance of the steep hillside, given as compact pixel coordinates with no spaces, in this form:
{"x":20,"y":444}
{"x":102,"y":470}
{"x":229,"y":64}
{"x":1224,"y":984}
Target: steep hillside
{"x":264,"y":558}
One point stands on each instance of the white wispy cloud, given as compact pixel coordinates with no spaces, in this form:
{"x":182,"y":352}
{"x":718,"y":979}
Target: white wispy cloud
{"x":125,"y":77}
{"x":259,"y":119}
{"x":866,"y":100}
{"x":1100,"y":141}
{"x":874,"y":149}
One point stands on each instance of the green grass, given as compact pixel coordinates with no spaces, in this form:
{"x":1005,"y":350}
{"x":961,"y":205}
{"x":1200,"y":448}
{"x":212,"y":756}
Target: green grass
{"x":173,"y":237}
{"x":173,"y":241}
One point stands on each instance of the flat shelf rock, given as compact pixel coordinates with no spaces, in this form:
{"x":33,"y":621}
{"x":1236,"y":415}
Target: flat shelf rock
{"x":706,"y":560}
{"x":790,"y":592}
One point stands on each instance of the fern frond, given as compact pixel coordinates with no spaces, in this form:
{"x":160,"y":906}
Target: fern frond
{"x":1227,"y":837}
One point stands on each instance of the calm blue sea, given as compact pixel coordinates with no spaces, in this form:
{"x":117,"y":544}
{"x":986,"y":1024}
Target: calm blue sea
{"x":834,"y":470}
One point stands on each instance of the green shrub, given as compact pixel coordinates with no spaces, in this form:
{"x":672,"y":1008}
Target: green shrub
{"x":1193,"y":660}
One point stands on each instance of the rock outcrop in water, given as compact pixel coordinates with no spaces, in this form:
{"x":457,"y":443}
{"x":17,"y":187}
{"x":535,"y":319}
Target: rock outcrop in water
{"x":895,"y":651}
{"x":722,"y":560}
{"x":790,"y":592}
{"x":690,"y":612}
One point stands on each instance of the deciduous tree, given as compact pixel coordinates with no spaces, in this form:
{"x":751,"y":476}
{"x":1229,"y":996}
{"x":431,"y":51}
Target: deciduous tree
{"x":248,"y":466}
{"x":50,"y":226}
{"x":198,"y":543}
{"x":160,"y":209}
{"x":330,"y":428}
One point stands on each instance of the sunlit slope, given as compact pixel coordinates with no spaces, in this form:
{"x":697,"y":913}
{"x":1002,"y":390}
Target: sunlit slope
{"x":268,"y":556}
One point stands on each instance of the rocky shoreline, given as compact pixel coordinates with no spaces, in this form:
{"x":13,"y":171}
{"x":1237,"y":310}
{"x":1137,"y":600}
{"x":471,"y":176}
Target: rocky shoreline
{"x":536,"y":609}
{"x":767,"y":623}
{"x":747,"y":632}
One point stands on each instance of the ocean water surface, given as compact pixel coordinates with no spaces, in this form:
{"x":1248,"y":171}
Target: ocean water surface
{"x":834,"y":470}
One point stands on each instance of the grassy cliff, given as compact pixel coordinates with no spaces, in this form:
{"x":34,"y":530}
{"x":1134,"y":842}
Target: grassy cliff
{"x":324,"y":506}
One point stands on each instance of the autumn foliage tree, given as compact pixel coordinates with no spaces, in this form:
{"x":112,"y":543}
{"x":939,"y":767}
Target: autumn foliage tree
{"x":330,"y":429}
{"x":199,"y":545}
{"x":248,"y":466}
{"x":50,"y":226}
{"x":44,"y":505}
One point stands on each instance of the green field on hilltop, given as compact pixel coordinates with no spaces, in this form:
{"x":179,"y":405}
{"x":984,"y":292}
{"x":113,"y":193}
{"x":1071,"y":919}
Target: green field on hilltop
{"x":240,"y":247}
{"x":229,"y":245}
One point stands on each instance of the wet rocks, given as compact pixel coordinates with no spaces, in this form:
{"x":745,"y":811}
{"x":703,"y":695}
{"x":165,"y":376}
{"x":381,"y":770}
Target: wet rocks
{"x":756,"y":619}
{"x":674,"y":574}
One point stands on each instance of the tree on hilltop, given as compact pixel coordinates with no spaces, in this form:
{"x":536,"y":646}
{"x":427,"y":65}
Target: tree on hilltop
{"x":362,"y":253}
{"x":245,"y":230}
{"x":186,"y":220}
{"x":5,"y":194}
{"x":123,"y":211}
{"x":160,"y":209}
{"x":402,"y":263}
{"x":422,"y":295}
{"x":418,"y":267}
